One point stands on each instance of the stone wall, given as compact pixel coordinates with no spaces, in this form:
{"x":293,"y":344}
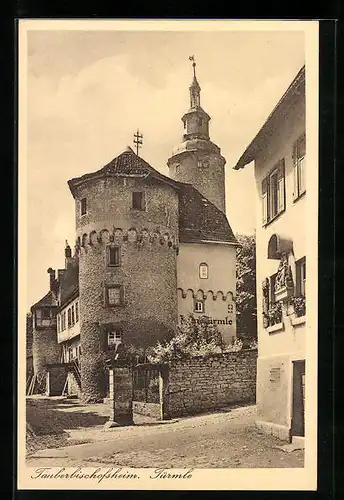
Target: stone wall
{"x":199,"y":384}
{"x":73,"y":388}
{"x":45,"y":348}
{"x":148,"y":409}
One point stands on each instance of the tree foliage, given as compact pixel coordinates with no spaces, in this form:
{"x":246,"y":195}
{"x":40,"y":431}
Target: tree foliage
{"x":246,"y":303}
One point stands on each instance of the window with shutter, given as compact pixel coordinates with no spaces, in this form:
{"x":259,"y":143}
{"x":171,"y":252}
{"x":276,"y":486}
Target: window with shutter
{"x":299,"y":160}
{"x":281,"y":188}
{"x":273,"y":193}
{"x":301,"y":277}
{"x":265,"y":201}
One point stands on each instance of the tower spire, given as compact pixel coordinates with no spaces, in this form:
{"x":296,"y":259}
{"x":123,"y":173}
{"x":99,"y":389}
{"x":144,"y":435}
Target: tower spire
{"x":192,"y":58}
{"x":195,"y":89}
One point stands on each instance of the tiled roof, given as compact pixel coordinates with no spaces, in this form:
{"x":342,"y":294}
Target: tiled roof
{"x":199,"y":219}
{"x":47,"y":301}
{"x":125,"y":165}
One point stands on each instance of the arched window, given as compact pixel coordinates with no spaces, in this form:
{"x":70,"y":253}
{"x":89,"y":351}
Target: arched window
{"x":203,"y":270}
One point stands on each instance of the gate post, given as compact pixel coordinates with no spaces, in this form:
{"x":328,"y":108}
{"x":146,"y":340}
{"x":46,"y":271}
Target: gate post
{"x":164,"y":392}
{"x":121,"y":393}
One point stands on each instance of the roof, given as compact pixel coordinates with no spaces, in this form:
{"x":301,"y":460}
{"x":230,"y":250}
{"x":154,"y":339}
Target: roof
{"x":199,"y":219}
{"x":127,"y":164}
{"x":69,"y":282}
{"x":256,"y":144}
{"x":47,"y":301}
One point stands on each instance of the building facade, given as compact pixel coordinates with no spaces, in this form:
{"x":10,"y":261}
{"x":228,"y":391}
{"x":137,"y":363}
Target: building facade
{"x":279,"y":155}
{"x":149,"y":250}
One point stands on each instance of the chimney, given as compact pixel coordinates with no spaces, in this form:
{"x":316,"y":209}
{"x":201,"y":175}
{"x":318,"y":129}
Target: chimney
{"x":60,"y":273}
{"x":68,"y":255}
{"x":52,"y":277}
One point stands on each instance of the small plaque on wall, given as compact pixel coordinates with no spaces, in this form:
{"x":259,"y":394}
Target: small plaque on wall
{"x":275,"y":374}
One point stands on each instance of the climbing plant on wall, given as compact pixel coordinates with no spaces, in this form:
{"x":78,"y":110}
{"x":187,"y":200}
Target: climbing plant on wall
{"x":246,"y":303}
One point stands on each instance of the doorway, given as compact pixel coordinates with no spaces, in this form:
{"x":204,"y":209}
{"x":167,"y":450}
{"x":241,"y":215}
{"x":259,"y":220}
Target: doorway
{"x":298,"y":406}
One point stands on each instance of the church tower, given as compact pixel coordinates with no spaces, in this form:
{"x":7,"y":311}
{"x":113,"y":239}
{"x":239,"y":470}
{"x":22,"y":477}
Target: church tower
{"x":197,"y":160}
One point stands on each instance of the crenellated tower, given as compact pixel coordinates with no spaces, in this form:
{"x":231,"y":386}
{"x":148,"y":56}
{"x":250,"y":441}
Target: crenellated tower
{"x":127,"y":244}
{"x":197,"y":160}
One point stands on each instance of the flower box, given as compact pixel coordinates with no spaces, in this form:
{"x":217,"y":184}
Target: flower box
{"x":283,"y":293}
{"x":275,"y":328}
{"x":298,"y":320}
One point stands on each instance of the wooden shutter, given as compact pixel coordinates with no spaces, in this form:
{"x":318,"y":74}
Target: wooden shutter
{"x":265,"y":204}
{"x":281,"y":187}
{"x":265,"y":301}
{"x":295,"y":176}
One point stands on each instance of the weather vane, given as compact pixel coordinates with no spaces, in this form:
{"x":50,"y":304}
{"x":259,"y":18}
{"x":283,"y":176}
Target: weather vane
{"x":138,"y":140}
{"x":192,"y":58}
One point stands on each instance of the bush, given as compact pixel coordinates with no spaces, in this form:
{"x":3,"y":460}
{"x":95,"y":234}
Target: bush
{"x":194,"y":338}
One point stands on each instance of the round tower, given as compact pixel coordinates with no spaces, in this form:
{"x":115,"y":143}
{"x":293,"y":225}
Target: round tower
{"x":197,"y":160}
{"x":127,"y":245}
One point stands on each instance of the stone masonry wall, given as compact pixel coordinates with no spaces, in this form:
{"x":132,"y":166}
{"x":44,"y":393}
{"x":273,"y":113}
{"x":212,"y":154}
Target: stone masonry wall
{"x":199,"y":384}
{"x":147,"y":272}
{"x":45,"y":348}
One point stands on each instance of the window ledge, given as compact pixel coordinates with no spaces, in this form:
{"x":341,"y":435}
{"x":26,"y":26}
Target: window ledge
{"x":275,"y":328}
{"x":297,"y":198}
{"x":298,"y":321}
{"x":274,"y":218}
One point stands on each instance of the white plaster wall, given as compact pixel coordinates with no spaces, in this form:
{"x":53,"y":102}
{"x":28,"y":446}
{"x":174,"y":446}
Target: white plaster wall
{"x":290,"y":223}
{"x":220,"y":284}
{"x":73,"y":330}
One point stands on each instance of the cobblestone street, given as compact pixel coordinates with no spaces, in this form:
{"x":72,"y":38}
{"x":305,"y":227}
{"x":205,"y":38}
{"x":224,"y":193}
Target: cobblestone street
{"x":227,"y":438}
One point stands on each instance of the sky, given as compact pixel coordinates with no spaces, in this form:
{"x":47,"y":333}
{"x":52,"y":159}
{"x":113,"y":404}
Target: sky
{"x":89,"y":91}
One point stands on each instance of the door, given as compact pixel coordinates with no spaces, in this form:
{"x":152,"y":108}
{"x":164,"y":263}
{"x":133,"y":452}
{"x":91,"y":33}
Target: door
{"x":298,"y":409}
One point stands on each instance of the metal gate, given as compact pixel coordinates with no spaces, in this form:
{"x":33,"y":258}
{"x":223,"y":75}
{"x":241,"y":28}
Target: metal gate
{"x":146,"y":383}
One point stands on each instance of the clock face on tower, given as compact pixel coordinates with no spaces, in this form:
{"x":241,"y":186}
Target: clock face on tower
{"x":203,"y":163}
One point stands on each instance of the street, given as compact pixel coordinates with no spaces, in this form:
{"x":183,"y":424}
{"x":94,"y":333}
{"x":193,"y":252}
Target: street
{"x":227,"y":439}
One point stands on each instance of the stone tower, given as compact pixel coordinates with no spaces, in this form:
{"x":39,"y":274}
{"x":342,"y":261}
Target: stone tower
{"x":127,"y":246}
{"x":197,"y":160}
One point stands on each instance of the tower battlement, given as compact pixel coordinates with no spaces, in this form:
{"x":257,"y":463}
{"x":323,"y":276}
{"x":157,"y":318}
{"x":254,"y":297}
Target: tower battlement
{"x":141,"y":238}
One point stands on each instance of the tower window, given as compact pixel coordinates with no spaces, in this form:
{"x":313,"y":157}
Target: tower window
{"x":177,"y":168}
{"x":138,"y":200}
{"x":113,"y":256}
{"x":200,"y":122}
{"x":114,"y":295}
{"x":199,"y":306}
{"x":83,"y":206}
{"x":203,"y":270}
{"x":114,"y":337}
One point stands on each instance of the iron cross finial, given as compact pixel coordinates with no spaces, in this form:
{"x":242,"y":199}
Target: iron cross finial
{"x":138,"y":140}
{"x":192,"y":58}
